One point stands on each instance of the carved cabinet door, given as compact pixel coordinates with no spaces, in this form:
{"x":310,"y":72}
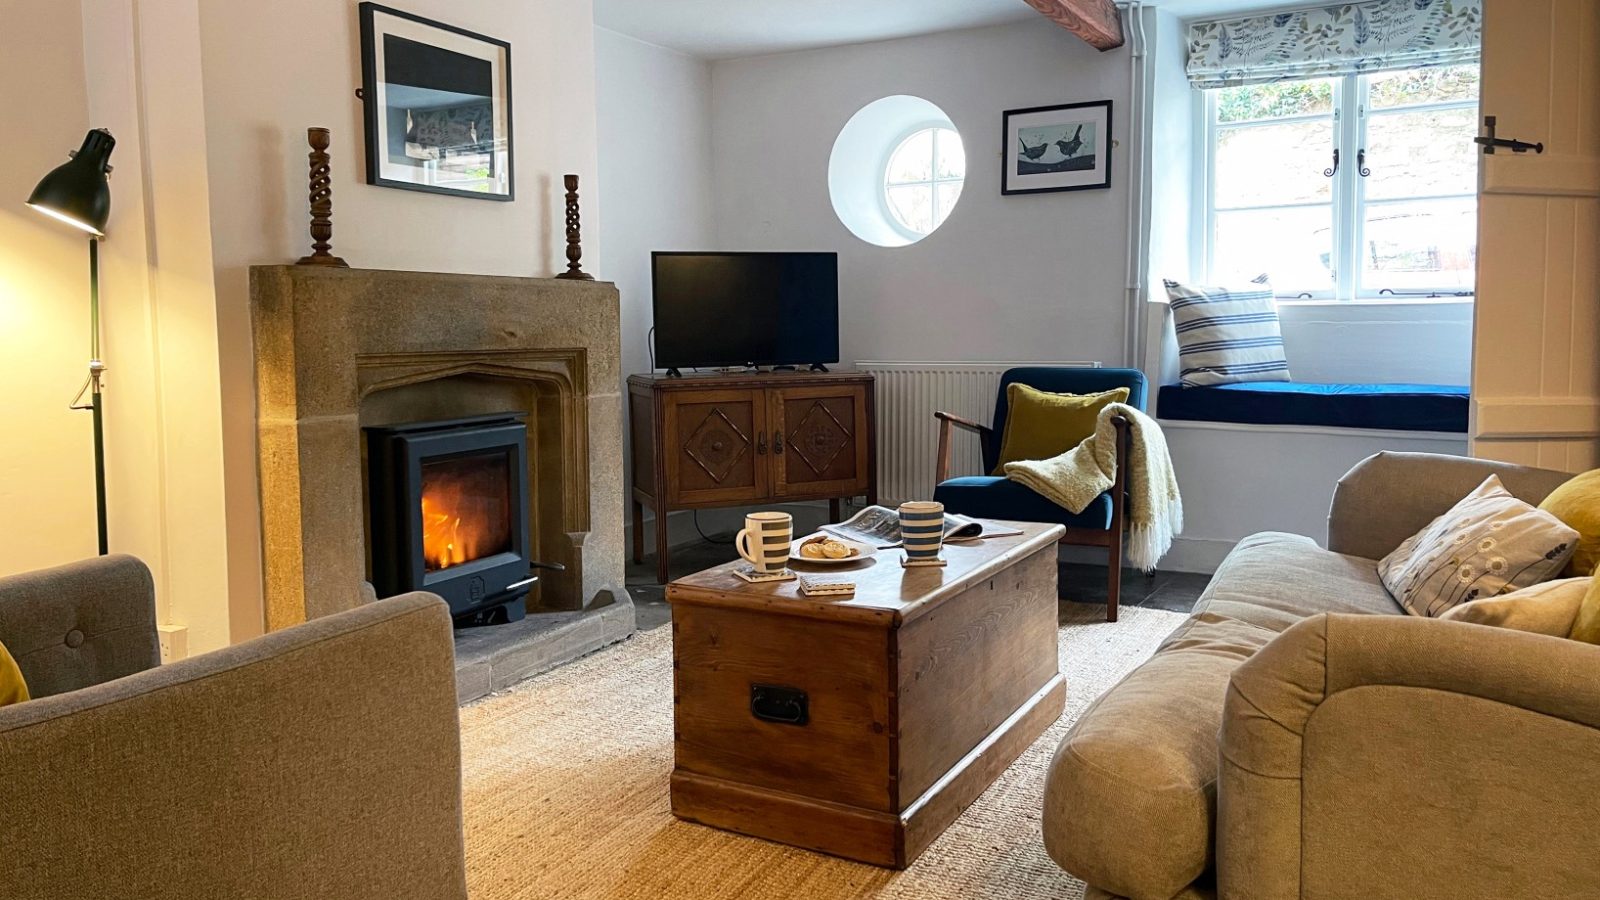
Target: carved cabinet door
{"x":716,"y":445}
{"x":819,"y":440}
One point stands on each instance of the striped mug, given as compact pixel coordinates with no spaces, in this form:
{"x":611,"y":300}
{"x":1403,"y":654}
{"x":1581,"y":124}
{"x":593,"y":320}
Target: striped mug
{"x":771,"y":533}
{"x":922,"y":529}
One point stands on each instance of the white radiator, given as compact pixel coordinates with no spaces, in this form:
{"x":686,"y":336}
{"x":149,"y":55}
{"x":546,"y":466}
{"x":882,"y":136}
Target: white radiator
{"x":908,"y":394}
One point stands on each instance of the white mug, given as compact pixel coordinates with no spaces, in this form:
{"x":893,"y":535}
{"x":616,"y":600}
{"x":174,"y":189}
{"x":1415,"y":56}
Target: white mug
{"x":771,"y":534}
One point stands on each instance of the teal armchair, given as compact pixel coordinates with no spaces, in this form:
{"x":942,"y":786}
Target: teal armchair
{"x":1101,"y":524}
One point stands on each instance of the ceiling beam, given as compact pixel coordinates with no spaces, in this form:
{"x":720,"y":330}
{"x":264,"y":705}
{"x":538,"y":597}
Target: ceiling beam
{"x":1096,"y":21}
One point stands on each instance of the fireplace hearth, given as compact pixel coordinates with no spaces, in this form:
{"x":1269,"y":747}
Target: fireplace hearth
{"x":448,"y":513}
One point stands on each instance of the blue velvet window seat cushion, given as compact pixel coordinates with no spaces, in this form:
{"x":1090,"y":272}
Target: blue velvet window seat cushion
{"x":1397,"y":407}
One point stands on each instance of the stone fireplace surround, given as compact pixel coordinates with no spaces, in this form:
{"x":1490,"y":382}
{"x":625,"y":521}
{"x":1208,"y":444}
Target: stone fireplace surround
{"x":340,"y":349}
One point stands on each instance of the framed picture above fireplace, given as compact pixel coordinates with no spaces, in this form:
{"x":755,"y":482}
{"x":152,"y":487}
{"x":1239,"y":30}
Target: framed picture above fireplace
{"x":438,"y":106}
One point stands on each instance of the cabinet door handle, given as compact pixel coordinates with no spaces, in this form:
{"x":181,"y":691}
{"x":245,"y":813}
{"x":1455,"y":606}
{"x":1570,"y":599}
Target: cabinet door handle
{"x":777,"y":443}
{"x":761,"y":444}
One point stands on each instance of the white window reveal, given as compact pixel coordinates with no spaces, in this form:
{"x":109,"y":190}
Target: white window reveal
{"x":896,"y":171}
{"x":924,"y":178}
{"x":1360,"y":186}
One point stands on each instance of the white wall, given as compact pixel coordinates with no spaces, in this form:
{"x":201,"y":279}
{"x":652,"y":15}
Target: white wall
{"x":46,"y":487}
{"x":273,"y":69}
{"x":1170,"y":219}
{"x":132,"y":68}
{"x":655,"y":169}
{"x":1371,"y":343}
{"x":1034,"y":277}
{"x":164,"y":430}
{"x":1241,"y":479}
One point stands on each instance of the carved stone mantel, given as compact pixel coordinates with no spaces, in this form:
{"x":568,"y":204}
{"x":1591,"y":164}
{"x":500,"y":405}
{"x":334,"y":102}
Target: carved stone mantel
{"x":339,"y":349}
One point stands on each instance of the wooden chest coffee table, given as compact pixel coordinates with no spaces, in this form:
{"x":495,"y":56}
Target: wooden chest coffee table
{"x":862,"y":727}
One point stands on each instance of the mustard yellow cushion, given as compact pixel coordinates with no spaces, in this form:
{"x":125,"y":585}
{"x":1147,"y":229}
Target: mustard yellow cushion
{"x":1587,"y":626}
{"x":1577,"y":503}
{"x":12,"y":688}
{"x":1041,"y":425}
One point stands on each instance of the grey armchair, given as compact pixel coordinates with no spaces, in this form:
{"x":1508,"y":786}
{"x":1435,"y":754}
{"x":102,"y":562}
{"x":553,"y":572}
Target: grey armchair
{"x":320,"y":761}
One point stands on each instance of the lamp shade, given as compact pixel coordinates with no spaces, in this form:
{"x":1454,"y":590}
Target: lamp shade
{"x":77,"y":191}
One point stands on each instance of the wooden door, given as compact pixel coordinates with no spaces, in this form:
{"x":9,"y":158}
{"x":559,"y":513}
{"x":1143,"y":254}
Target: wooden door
{"x":1536,"y":340}
{"x":819,"y":440}
{"x":716,"y":447}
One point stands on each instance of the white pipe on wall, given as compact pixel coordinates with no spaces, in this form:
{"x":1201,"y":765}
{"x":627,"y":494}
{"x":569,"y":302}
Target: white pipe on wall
{"x":1139,"y":91}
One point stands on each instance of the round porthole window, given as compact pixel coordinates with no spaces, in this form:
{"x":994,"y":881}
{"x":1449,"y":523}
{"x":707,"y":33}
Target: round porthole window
{"x":924,"y":179}
{"x":897,"y":171}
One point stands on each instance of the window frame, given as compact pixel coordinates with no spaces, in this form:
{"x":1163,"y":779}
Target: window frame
{"x":1348,"y":198}
{"x":934,"y":182}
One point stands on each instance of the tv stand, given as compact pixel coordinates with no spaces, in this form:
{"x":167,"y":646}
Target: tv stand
{"x":674,"y":373}
{"x":818,"y":367}
{"x":753,"y":439}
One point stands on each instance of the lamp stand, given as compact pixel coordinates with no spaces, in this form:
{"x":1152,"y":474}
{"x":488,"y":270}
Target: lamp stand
{"x":93,"y":387}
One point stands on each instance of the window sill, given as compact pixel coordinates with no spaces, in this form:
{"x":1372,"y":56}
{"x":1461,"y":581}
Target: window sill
{"x":1380,"y":301}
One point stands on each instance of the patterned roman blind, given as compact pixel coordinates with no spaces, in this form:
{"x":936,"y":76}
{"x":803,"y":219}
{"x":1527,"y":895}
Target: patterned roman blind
{"x":1371,"y":36}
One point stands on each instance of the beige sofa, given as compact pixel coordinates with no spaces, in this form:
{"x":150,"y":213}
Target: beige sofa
{"x":318,"y":762}
{"x":1301,"y":737}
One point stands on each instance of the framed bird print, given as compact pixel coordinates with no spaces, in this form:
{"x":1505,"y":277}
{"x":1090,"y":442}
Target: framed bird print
{"x":438,"y":106}
{"x":1057,"y":148}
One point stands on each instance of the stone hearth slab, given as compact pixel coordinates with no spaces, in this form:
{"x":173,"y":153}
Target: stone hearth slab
{"x":498,"y":656}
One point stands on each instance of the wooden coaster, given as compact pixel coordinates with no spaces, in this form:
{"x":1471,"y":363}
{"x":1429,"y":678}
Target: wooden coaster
{"x":910,"y":563}
{"x":748,"y":573}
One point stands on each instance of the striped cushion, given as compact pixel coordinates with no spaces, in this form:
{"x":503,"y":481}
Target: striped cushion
{"x":1227,"y":335}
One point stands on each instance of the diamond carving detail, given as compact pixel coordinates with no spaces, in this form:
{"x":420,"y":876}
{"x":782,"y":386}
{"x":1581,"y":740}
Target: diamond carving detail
{"x":819,"y":438}
{"x":717,"y":445}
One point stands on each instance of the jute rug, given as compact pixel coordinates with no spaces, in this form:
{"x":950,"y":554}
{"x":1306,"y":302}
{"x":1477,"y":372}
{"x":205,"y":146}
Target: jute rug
{"x":566,"y":793}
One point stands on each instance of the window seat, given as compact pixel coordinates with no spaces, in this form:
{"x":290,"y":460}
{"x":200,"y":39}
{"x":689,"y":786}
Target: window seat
{"x":1397,"y":407}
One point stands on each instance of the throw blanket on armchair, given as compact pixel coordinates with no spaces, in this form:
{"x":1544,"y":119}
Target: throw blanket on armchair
{"x":1076,"y":477}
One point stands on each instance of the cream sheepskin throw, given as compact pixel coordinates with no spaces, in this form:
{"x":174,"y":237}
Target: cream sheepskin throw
{"x":1075,"y":478}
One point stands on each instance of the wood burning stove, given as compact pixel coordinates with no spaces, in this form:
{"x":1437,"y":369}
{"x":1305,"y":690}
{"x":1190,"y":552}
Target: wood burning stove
{"x":449,"y":514}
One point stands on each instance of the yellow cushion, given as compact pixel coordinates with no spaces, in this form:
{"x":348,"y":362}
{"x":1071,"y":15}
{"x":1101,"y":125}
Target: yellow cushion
{"x":1548,"y":608}
{"x":1577,"y":503}
{"x":12,"y":688}
{"x":1587,"y":627}
{"x":1040,"y":425}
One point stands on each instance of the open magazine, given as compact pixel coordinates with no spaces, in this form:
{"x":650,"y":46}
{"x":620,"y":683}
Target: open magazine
{"x":879,"y":527}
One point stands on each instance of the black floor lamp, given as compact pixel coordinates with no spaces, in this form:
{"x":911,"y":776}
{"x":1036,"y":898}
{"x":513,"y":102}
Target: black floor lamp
{"x":78,"y":193}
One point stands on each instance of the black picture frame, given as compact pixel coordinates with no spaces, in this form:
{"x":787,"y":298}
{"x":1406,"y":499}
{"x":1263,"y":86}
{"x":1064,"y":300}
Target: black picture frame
{"x":1020,"y":174}
{"x":382,"y":166}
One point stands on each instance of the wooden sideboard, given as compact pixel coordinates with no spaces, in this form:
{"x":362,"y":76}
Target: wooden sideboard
{"x":705,"y":441}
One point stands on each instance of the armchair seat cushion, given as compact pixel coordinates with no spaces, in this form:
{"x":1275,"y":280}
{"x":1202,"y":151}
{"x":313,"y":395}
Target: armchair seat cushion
{"x":989,"y":497}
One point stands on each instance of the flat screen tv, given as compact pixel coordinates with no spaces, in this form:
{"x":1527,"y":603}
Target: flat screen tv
{"x":737,"y":309}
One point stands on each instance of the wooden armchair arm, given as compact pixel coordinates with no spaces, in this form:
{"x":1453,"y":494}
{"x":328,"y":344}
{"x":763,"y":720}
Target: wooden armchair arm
{"x":1120,"y":486}
{"x":953,"y":419}
{"x":946,"y":420}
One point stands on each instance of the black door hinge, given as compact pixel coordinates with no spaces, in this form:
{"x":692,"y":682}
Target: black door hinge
{"x":1490,"y":143}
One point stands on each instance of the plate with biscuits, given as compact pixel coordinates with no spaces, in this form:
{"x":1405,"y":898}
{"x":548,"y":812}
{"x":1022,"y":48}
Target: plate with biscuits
{"x":826,"y":549}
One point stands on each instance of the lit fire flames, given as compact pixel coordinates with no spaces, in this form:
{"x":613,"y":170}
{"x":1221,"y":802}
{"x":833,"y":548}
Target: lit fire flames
{"x":448,"y":539}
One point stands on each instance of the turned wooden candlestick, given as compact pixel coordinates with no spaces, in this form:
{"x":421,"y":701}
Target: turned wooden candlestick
{"x":321,"y":185}
{"x":574,"y":234}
